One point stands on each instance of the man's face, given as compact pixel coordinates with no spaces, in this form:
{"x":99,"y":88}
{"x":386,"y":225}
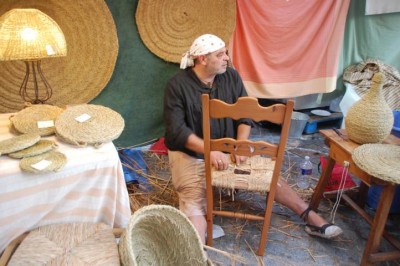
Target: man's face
{"x":217,"y":62}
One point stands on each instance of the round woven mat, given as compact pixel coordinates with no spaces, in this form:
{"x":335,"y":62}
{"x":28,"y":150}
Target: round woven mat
{"x":39,"y":147}
{"x":26,"y":120}
{"x":92,"y":49}
{"x":57,"y":159}
{"x":18,"y":143}
{"x":160,"y":235}
{"x":104,"y":125}
{"x":379,"y":160}
{"x":169,"y":27}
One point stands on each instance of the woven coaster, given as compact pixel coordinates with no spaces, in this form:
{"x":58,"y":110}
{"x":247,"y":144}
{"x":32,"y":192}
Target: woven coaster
{"x":168,"y":28}
{"x":379,"y":160}
{"x":68,"y":244}
{"x":89,"y":124}
{"x":40,"y":147}
{"x":51,"y":161}
{"x":37,"y":118}
{"x":156,"y":230}
{"x":18,"y":143}
{"x":92,"y":50}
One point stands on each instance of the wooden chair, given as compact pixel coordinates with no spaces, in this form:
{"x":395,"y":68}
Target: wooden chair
{"x":260,"y":173}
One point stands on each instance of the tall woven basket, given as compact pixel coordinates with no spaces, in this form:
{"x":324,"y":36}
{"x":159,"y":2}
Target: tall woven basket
{"x":370,"y":120}
{"x":161,"y":235}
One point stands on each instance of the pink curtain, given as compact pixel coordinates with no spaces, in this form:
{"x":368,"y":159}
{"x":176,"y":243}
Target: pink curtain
{"x":288,"y":48}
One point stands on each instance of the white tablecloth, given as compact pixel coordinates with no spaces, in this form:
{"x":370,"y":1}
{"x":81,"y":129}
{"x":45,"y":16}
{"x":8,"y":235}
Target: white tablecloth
{"x":90,"y":188}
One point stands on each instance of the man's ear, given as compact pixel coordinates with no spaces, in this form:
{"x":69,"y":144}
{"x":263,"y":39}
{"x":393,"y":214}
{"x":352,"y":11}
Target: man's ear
{"x":202,"y":59}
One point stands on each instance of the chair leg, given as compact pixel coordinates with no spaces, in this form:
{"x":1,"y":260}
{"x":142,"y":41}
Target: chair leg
{"x":209,"y":216}
{"x":266,"y":224}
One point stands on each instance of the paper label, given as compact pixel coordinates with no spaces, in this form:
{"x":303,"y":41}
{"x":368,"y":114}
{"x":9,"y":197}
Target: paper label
{"x":82,"y":118}
{"x":43,"y":164}
{"x":45,"y":124}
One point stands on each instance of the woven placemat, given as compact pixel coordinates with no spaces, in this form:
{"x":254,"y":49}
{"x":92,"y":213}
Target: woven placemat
{"x":39,"y":147}
{"x":53,"y":160}
{"x":160,"y":235}
{"x":379,"y":160}
{"x":168,"y":28}
{"x":18,"y":143}
{"x":68,"y":244}
{"x":102,"y":125}
{"x":38,"y":118}
{"x":92,"y":49}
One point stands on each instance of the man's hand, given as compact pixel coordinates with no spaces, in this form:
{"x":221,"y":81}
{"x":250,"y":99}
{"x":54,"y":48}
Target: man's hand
{"x":219,"y":160}
{"x":238,"y":159}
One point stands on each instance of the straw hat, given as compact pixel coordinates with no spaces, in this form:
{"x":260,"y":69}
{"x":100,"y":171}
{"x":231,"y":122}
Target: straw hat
{"x":89,"y":124}
{"x":56,"y":160}
{"x":92,"y":45}
{"x":68,"y":244}
{"x":379,"y":160}
{"x":39,"y":147}
{"x":169,"y":27}
{"x":160,"y":235}
{"x":18,"y":143}
{"x":29,"y":120}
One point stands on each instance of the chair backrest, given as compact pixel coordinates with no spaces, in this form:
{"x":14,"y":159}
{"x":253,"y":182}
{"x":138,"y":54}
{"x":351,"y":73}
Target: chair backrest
{"x":246,"y":107}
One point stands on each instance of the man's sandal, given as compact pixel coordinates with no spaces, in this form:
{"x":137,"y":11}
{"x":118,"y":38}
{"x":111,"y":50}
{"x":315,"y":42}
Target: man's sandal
{"x":326,"y":231}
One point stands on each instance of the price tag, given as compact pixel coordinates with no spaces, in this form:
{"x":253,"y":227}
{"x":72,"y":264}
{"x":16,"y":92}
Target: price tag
{"x":83,"y":118}
{"x":43,"y":164}
{"x":45,"y":124}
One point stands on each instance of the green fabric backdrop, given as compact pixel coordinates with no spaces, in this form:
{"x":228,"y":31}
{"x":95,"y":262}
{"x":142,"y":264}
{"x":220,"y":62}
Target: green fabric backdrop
{"x":136,"y":87}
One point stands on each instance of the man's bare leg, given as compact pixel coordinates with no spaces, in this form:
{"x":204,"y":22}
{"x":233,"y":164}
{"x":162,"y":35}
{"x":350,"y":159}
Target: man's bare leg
{"x":199,"y":222}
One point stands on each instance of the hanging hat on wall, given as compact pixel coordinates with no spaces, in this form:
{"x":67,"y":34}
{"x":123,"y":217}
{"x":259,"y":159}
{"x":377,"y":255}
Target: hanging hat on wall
{"x":92,"y":44}
{"x":168,"y":27}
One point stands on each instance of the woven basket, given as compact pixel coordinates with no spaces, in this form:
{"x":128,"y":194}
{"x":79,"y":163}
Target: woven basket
{"x":370,"y":120}
{"x":68,"y":244}
{"x":169,"y":27}
{"x":379,"y":160}
{"x":104,"y":125}
{"x":57,"y":162}
{"x":28,"y":120}
{"x":160,"y":235}
{"x":18,"y":143}
{"x":39,"y":147}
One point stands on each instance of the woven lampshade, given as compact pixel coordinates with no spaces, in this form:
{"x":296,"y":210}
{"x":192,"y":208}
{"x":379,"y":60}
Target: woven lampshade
{"x":29,"y":34}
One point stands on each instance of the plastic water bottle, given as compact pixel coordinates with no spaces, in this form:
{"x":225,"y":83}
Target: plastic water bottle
{"x":303,"y":181}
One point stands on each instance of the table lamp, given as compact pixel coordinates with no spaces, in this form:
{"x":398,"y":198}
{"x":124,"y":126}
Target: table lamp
{"x":29,"y":35}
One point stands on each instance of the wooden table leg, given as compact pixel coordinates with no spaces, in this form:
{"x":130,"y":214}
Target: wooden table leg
{"x":378,"y":224}
{"x":323,"y":181}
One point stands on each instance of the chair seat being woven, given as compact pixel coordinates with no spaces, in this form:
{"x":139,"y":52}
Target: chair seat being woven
{"x":255,"y":175}
{"x":68,"y":244}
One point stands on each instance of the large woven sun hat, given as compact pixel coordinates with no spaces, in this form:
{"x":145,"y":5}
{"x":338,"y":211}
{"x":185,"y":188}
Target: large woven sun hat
{"x":38,"y":118}
{"x":160,"y":235}
{"x":168,"y":27}
{"x":68,"y":244}
{"x":89,"y":124}
{"x":18,"y":143}
{"x":51,"y":161}
{"x":379,"y":160}
{"x":81,"y":75}
{"x":39,"y":147}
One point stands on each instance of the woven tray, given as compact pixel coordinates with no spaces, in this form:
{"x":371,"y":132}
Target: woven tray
{"x":18,"y":143}
{"x":32,"y":118}
{"x":160,"y":235}
{"x":379,"y":160}
{"x":104,"y":125}
{"x":57,"y":162}
{"x":40,"y":147}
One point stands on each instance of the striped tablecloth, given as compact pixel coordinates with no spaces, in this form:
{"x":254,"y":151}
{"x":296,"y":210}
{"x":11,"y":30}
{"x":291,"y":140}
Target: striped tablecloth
{"x":90,"y":188}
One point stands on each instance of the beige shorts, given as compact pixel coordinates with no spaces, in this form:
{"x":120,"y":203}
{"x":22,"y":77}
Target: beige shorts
{"x":188,"y":178}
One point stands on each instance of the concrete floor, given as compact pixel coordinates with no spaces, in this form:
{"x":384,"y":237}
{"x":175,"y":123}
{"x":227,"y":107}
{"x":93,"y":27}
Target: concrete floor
{"x":288,"y":243}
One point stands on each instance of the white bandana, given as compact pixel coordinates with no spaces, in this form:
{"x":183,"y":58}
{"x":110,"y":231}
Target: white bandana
{"x":204,"y":44}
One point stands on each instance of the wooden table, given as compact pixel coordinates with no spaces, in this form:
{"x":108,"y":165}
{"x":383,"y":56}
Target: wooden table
{"x":340,"y":151}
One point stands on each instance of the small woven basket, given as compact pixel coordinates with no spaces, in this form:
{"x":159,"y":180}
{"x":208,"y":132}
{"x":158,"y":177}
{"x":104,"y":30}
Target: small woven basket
{"x":57,"y":162}
{"x":18,"y":143}
{"x":160,"y":235}
{"x":40,"y":147}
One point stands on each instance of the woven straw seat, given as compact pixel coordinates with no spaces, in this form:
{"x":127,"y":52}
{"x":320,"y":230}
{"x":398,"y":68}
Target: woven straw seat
{"x":160,"y":235}
{"x":18,"y":143}
{"x":103,"y":125}
{"x":28,"y":120}
{"x":39,"y":147}
{"x":57,"y":161}
{"x":68,"y":244}
{"x":379,"y":160}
